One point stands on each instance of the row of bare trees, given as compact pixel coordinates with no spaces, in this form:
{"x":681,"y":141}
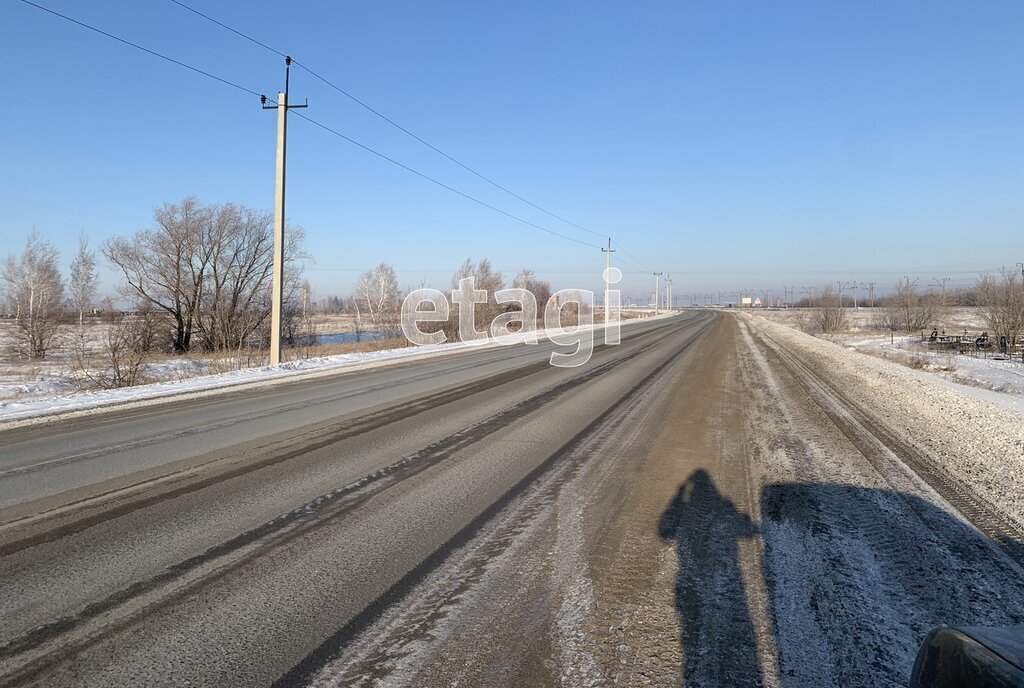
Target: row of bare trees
{"x":378,"y":297}
{"x":200,"y":277}
{"x":208,"y":270}
{"x":999,"y":298}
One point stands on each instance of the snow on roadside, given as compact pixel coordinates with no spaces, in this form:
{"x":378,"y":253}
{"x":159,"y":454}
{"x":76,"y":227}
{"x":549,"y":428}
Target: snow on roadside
{"x":19,"y":411}
{"x":976,"y":441}
{"x":998,"y":374}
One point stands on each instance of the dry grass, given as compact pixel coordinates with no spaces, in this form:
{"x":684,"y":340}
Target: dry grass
{"x":317,"y":350}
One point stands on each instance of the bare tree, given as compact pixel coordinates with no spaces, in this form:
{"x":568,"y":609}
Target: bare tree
{"x":83,"y":279}
{"x":238,"y":279}
{"x":166,"y":266}
{"x":208,"y":268}
{"x":888,"y":318}
{"x":1002,"y":304}
{"x":485,"y":278}
{"x":357,"y":316}
{"x":121,"y":359}
{"x":307,"y":336}
{"x":378,"y":296}
{"x":541,"y":289}
{"x":831,"y":317}
{"x":911,"y":311}
{"x":35,"y":293}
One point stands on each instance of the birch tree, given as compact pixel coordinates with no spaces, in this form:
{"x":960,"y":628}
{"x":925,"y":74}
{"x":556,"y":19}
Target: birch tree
{"x":378,"y":297}
{"x":35,"y":295}
{"x":83,"y":279}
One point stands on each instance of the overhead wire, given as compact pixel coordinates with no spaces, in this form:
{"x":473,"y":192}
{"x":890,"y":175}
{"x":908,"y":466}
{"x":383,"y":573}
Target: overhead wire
{"x":316,"y":123}
{"x":143,"y":49}
{"x":440,"y":183}
{"x":630,"y":255}
{"x":390,"y":121}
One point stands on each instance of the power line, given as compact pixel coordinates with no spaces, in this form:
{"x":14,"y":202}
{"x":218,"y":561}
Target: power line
{"x":139,"y":47}
{"x":322,"y":126}
{"x":390,"y":121}
{"x":442,"y":184}
{"x":634,"y":259}
{"x":232,"y":30}
{"x":445,"y":155}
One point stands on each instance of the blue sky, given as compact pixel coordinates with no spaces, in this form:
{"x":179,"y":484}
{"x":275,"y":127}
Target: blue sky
{"x":732,"y":145}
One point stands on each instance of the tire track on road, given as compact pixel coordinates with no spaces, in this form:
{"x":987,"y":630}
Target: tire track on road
{"x":880,"y":447}
{"x":217,"y":561}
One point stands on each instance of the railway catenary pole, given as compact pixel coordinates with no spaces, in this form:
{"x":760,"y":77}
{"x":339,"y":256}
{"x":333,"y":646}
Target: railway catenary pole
{"x":941,"y":282}
{"x":277,"y":290}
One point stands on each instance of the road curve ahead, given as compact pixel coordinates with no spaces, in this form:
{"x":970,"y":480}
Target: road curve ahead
{"x":251,"y":537}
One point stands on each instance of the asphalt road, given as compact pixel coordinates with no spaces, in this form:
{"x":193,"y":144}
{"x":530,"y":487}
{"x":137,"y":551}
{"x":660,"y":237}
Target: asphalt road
{"x":222,"y":541}
{"x":697,"y":505}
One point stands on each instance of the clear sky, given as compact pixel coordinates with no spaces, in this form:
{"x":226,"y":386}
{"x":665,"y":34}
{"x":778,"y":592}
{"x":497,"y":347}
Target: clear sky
{"x":732,"y":145}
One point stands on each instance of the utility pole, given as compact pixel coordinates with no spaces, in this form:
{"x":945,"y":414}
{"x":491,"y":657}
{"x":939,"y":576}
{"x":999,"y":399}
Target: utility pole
{"x":941,"y":282}
{"x":277,"y":297}
{"x":842,"y":285}
{"x":607,"y":275}
{"x":657,"y":289}
{"x":858,"y":287}
{"x":871,"y":293}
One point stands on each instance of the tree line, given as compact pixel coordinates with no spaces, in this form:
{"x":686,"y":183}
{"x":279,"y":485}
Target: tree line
{"x":378,"y":298}
{"x":999,"y":298}
{"x":198,"y":278}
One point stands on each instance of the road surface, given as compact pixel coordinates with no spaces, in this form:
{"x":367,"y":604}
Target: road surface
{"x":695,"y":505}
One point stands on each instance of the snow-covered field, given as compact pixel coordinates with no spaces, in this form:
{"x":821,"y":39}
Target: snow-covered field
{"x":985,"y":372}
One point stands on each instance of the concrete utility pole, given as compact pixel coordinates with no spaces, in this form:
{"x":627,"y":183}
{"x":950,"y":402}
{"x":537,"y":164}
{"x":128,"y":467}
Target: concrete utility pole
{"x":871,"y":292}
{"x":277,"y":297}
{"x":842,"y":285}
{"x":941,"y":282}
{"x":668,"y":292}
{"x":657,"y":289}
{"x":607,"y":274}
